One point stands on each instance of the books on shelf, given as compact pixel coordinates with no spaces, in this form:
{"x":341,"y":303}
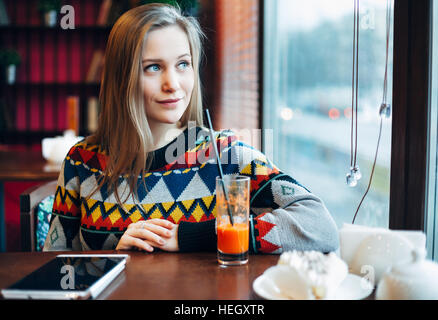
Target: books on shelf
{"x":92,"y":114}
{"x":4,"y":19}
{"x":73,"y":114}
{"x":105,"y":7}
{"x":95,"y":70}
{"x":6,"y":116}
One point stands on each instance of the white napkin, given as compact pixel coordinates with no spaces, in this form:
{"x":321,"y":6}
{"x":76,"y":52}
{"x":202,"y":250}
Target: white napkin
{"x":55,"y":149}
{"x":371,"y":251}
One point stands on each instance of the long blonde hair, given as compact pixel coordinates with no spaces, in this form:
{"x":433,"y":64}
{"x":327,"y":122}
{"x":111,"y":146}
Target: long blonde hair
{"x":123,"y":130}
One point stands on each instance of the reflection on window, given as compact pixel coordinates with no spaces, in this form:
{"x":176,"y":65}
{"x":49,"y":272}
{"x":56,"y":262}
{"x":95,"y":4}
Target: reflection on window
{"x":307,"y":101}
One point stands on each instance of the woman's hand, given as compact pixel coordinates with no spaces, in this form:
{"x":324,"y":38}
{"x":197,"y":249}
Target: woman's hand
{"x":145,"y":235}
{"x":171,"y":243}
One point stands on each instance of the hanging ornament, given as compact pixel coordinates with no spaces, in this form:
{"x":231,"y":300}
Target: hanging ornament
{"x":351,"y":180}
{"x":354,"y":175}
{"x":385,"y":107}
{"x":385,"y":110}
{"x":356,"y":172}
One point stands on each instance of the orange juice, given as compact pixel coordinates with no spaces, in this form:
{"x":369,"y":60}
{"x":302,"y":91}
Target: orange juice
{"x":233,"y":239}
{"x":232,"y":201}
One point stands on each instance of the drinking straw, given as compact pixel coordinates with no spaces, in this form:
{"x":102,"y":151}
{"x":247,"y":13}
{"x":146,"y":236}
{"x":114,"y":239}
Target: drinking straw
{"x":219,"y":164}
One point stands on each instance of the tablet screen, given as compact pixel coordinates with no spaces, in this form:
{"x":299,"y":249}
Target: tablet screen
{"x":68,"y":273}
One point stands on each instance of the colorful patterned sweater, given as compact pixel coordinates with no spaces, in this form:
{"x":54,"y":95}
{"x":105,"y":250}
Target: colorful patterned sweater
{"x":284,"y":215}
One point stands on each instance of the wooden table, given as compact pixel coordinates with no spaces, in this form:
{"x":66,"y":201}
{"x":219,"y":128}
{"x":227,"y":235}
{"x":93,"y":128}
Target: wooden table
{"x":26,"y":165}
{"x":23,"y":165}
{"x":159,"y":276}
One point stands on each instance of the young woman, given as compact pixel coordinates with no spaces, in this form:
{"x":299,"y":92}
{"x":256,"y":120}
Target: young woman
{"x":146,"y":179}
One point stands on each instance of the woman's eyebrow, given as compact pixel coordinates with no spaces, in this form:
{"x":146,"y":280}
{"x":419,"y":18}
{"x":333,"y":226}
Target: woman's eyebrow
{"x":183,"y":55}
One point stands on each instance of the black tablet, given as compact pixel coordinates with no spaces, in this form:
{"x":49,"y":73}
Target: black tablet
{"x":79,"y":276}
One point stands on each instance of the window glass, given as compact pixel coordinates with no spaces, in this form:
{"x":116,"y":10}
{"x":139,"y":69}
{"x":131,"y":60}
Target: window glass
{"x":431,"y":203}
{"x":308,"y":60}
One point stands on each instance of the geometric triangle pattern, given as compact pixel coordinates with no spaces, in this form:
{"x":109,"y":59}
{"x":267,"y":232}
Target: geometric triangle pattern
{"x":66,"y":203}
{"x":266,"y":239}
{"x":102,"y":216}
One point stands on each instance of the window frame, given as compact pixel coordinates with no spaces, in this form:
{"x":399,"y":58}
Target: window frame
{"x":410,"y":117}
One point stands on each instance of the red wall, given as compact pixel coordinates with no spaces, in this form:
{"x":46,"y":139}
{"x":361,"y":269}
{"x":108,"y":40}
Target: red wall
{"x":237,"y":45}
{"x":12,"y":191}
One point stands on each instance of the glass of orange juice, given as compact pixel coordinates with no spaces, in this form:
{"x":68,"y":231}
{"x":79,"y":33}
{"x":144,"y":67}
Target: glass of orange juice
{"x":232,"y":236}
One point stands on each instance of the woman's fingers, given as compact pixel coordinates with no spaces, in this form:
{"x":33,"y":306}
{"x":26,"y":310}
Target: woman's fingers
{"x":157,"y":227}
{"x":128,"y":242}
{"x":142,"y":244}
{"x":146,"y":234}
{"x":159,"y":222}
{"x":159,"y":230}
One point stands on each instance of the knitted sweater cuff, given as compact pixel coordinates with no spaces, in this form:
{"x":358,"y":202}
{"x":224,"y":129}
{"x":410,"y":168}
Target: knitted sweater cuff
{"x":200,"y":236}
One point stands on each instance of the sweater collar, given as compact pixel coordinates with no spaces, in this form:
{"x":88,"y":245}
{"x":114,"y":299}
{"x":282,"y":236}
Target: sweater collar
{"x":159,"y":155}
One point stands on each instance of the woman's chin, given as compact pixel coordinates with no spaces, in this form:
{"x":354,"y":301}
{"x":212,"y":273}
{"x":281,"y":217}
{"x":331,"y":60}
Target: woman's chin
{"x":172,"y":120}
{"x":166,"y":117}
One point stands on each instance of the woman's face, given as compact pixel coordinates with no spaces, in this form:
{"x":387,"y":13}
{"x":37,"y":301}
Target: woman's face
{"x":168,"y":76}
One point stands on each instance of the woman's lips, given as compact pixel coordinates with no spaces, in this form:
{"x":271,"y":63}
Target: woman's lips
{"x":171,"y":103}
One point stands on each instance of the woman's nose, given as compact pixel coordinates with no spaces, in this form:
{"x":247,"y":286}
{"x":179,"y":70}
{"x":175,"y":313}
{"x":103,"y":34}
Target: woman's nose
{"x":170,"y":81}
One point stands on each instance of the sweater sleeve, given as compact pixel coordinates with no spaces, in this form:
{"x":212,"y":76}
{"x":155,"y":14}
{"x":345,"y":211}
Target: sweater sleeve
{"x":65,"y":220}
{"x":284,"y":215}
{"x":199,"y":236}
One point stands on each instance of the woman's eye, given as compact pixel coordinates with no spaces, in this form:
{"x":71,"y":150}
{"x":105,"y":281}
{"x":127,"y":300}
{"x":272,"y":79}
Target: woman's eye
{"x":152,"y":68}
{"x":184,"y":64}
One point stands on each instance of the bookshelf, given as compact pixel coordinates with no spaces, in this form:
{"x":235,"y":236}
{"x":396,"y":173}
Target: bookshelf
{"x":55,"y":65}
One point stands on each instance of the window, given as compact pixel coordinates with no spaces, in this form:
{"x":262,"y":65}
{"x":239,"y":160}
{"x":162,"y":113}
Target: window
{"x":307,"y":101}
